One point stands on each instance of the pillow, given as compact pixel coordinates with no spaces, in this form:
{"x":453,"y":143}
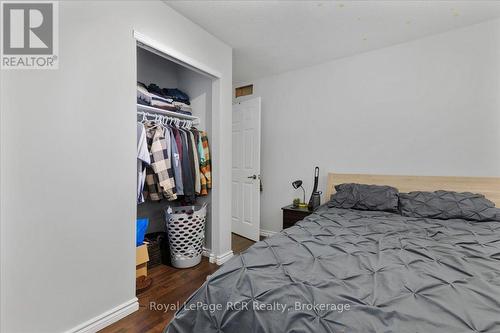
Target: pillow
{"x":365,"y":197}
{"x":448,"y":205}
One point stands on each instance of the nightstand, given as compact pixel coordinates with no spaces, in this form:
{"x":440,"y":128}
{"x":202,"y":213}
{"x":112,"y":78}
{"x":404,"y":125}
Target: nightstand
{"x":292,"y":215}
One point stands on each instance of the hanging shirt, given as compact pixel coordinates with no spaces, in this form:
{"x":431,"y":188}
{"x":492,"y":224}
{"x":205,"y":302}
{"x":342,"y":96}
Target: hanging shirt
{"x":199,"y":144}
{"x":206,"y":167}
{"x":153,"y":190}
{"x":161,"y":164}
{"x":202,"y":161}
{"x":143,"y":160}
{"x":176,"y":162}
{"x":196,"y":163}
{"x":187,"y":172}
{"x":178,"y":140}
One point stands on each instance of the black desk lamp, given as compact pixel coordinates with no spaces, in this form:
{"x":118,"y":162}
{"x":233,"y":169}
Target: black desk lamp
{"x":296,"y":184}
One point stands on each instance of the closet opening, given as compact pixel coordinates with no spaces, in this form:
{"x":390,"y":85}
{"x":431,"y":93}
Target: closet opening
{"x":175,"y":98}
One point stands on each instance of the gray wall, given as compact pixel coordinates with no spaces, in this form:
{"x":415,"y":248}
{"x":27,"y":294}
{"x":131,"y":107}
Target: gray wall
{"x":68,"y":159}
{"x":427,"y":107}
{"x":152,"y":68}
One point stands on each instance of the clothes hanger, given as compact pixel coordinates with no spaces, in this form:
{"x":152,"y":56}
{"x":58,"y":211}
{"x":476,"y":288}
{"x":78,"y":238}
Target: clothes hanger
{"x":155,"y":121}
{"x":143,"y":118}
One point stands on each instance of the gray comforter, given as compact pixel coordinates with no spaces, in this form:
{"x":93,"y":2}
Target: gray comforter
{"x":343,"y":270}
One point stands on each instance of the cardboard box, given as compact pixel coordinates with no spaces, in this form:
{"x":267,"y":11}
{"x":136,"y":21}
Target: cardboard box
{"x":141,"y":260}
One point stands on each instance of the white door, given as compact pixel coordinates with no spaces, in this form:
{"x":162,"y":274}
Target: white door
{"x":245,"y":204}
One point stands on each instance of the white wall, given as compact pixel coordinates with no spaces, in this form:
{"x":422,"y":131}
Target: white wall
{"x":427,"y":107}
{"x":68,"y":150}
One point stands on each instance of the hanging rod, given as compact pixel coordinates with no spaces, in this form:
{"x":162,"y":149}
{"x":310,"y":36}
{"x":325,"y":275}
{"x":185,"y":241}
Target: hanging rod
{"x":172,"y":114}
{"x":182,"y":122}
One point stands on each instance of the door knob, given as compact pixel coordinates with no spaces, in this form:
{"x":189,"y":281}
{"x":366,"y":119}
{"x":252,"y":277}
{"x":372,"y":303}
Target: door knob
{"x":252,"y":177}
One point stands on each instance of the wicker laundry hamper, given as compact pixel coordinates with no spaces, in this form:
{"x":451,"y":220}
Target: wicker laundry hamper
{"x":186,"y":234}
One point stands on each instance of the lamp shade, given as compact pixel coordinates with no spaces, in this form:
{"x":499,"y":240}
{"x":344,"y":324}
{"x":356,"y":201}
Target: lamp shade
{"x":296,"y":184}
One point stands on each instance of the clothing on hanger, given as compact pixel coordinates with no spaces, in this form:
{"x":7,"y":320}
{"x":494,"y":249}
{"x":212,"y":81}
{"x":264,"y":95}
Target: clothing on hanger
{"x":179,"y":160}
{"x":176,"y":162}
{"x":187,"y":169}
{"x":143,"y":160}
{"x":159,"y":176}
{"x":201,"y":161}
{"x":196,"y":163}
{"x":205,"y":167}
{"x":178,"y":140}
{"x":160,"y":163}
{"x":152,"y":190}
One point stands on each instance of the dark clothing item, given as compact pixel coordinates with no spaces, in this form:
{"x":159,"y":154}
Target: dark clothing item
{"x":176,"y":95}
{"x":154,"y":88}
{"x":191,"y":156}
{"x":178,"y":141}
{"x":187,"y":172}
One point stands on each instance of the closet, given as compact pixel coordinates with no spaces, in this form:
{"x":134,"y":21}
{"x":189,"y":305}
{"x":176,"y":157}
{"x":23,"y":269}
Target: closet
{"x":154,"y":67}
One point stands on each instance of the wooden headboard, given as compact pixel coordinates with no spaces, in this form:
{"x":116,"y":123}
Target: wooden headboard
{"x":489,"y":186}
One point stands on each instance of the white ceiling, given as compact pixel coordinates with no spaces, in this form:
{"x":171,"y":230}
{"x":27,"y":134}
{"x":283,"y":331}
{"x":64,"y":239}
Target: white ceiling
{"x":271,"y":37}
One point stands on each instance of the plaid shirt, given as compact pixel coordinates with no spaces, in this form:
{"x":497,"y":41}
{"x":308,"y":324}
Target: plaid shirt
{"x":205,"y":168}
{"x":160,"y":178}
{"x":152,"y":190}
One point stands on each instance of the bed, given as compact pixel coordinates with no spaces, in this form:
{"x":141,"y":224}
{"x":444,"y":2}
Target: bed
{"x":348,"y":270}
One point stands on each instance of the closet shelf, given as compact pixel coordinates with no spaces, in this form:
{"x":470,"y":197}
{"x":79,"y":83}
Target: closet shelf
{"x":150,"y":109}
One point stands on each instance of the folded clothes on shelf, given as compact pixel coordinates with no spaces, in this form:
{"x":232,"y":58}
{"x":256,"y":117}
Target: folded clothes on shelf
{"x":159,"y":100}
{"x":143,"y":95}
{"x":183,"y":107}
{"x":181,"y":104}
{"x":171,"y":99}
{"x":162,"y":104}
{"x":177,"y":95}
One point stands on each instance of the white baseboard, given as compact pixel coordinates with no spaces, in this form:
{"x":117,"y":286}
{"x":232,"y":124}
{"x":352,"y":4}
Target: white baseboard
{"x":209,"y":254}
{"x":216,"y":259}
{"x":219,"y":260}
{"x":107,"y":318}
{"x":267,"y":233}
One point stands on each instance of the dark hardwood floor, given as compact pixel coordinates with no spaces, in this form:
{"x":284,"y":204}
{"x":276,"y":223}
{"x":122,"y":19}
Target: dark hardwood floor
{"x":170,"y":285}
{"x":240,"y":244}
